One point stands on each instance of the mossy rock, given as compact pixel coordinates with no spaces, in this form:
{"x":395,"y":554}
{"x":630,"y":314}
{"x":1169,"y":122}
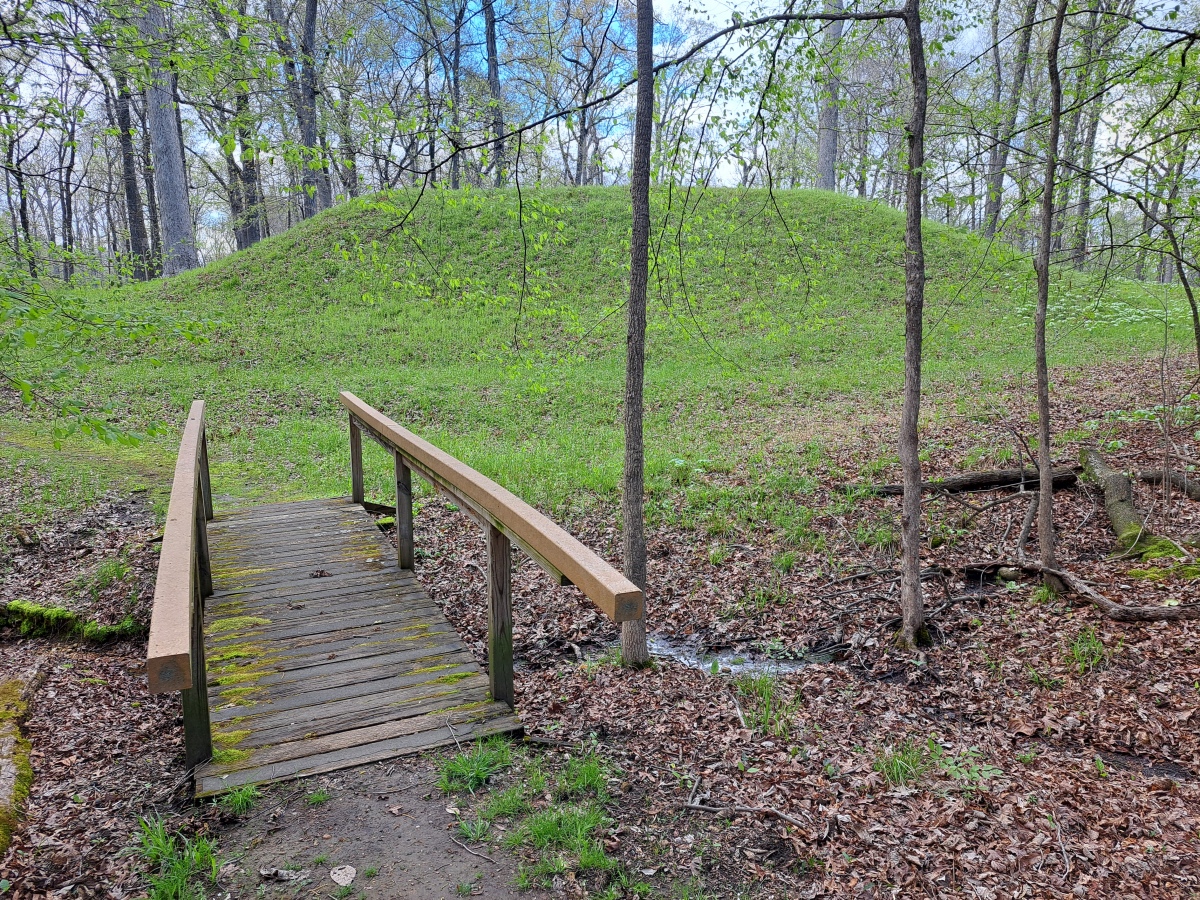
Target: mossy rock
{"x":16,"y":773}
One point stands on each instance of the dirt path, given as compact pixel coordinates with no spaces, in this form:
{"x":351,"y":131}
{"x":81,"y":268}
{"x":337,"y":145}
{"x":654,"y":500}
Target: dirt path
{"x":388,"y":819}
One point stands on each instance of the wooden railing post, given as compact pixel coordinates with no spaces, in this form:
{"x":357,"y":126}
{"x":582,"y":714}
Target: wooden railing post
{"x":197,"y":731}
{"x":500,"y":636}
{"x":356,"y":467}
{"x":404,"y":514}
{"x":203,"y":560}
{"x":205,"y":482}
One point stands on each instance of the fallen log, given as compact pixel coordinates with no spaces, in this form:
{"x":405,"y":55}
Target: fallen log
{"x":1179,"y":480}
{"x":977,"y":481}
{"x":1116,"y":611}
{"x":1127,"y":523}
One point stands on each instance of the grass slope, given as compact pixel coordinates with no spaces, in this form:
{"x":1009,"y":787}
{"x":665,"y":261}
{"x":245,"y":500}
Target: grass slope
{"x":506,"y":347}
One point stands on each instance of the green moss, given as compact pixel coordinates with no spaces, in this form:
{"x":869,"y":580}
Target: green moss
{"x":226,"y":756}
{"x":53,"y":621}
{"x":1149,"y":574}
{"x":238,"y":651}
{"x":229,"y":739}
{"x":1182,"y":571}
{"x":1159,"y":548}
{"x":452,"y":678}
{"x":236,"y":623}
{"x":238,"y":678}
{"x":438,"y":668}
{"x":12,"y":711}
{"x":239,"y":696}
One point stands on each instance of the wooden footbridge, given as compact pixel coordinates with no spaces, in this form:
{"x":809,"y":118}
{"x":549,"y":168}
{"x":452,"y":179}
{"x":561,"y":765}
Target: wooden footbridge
{"x":300,"y":639}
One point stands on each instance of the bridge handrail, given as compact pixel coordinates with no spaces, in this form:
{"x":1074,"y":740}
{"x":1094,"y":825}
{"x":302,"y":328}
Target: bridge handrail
{"x":175,"y":651}
{"x":504,"y":517}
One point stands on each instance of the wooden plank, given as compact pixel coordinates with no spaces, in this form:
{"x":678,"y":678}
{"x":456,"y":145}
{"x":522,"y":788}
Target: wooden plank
{"x":357,"y":737}
{"x":168,"y":650}
{"x":266,"y":713}
{"x":338,"y":671}
{"x":500,"y":636}
{"x":299,"y":608}
{"x":416,"y":681}
{"x":477,"y":699}
{"x":207,"y":784}
{"x":286,"y":589}
{"x":312,"y":627}
{"x":366,"y":651}
{"x":616,"y":595}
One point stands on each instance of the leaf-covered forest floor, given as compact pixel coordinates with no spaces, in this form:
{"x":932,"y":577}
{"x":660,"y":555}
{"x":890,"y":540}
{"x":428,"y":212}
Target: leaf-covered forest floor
{"x":1036,"y":749}
{"x":1052,"y":751}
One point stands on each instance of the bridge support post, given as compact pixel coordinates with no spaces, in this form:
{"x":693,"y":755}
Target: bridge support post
{"x":500,"y":635}
{"x":197,"y":732}
{"x":404,"y":514}
{"x":356,"y":468}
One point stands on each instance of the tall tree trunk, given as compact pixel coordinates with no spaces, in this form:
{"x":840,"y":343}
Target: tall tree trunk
{"x":154,"y":263}
{"x":300,"y":78}
{"x":499,"y":163}
{"x":913,"y":631}
{"x":999,"y":155}
{"x":250,"y":229}
{"x":633,"y":634}
{"x":1083,"y":222}
{"x":138,"y":246}
{"x":827,"y":119}
{"x":179,"y":243}
{"x":1045,"y":520}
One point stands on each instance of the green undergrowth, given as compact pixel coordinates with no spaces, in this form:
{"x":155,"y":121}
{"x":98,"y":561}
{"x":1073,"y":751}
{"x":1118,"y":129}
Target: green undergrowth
{"x":176,"y":867}
{"x":552,"y":811}
{"x":765,"y":312}
{"x":33,"y":620}
{"x":52,"y":481}
{"x":12,"y":713}
{"x":910,"y":762}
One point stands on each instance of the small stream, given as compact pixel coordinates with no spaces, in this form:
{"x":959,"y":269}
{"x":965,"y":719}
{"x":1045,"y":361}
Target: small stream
{"x":727,"y":662}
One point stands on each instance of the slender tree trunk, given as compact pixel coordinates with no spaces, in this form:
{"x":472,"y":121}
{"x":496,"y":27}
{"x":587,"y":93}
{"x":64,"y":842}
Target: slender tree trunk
{"x":179,"y":243}
{"x":499,"y":164}
{"x":138,"y":246}
{"x":1046,"y":550}
{"x":827,"y":119}
{"x":154,"y":263}
{"x":999,"y":155}
{"x":250,"y":229}
{"x":633,"y":634}
{"x":913,"y":631}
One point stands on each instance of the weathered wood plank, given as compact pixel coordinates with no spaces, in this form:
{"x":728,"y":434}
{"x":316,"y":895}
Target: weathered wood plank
{"x":316,"y":674}
{"x":207,"y":784}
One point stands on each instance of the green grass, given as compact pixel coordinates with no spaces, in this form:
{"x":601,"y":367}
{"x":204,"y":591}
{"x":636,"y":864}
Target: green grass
{"x":178,"y":867}
{"x":319,"y":797}
{"x":1086,"y":651}
{"x":471,"y":769}
{"x":763,"y":704}
{"x":903,"y":764}
{"x":748,"y":317}
{"x":240,"y":800}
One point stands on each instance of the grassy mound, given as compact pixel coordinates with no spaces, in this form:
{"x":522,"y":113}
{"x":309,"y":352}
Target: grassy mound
{"x":505,"y":344}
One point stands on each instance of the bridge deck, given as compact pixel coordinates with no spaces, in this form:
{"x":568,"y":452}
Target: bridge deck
{"x":322,"y":654}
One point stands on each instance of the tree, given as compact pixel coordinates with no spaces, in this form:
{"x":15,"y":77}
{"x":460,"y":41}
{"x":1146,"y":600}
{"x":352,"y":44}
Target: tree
{"x":170,"y":179}
{"x":827,"y":124}
{"x":633,"y":634}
